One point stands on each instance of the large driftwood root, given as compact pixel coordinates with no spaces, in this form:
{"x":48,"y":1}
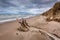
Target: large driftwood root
{"x":24,"y":25}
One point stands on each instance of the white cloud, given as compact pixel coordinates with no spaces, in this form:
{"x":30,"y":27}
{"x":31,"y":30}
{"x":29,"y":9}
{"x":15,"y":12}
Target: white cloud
{"x":16,"y":10}
{"x":37,"y":10}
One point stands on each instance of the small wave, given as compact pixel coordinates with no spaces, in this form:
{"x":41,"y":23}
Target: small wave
{"x":8,"y":20}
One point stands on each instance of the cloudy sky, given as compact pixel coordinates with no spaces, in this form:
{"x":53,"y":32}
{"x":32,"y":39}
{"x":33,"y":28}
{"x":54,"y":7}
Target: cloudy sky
{"x":29,"y":6}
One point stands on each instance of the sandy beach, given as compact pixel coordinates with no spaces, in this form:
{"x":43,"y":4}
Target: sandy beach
{"x":8,"y":30}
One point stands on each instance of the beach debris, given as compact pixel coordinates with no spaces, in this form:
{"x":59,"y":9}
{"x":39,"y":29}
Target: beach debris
{"x":24,"y":25}
{"x":53,"y":37}
{"x":16,"y":33}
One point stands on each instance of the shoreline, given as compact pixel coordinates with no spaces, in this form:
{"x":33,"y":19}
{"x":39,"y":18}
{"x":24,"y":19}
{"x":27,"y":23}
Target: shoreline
{"x":8,"y":20}
{"x":14,"y":19}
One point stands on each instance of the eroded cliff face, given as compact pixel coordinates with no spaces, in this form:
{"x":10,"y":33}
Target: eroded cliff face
{"x":54,"y":13}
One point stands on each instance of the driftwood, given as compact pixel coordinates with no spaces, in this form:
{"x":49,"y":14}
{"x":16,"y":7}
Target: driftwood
{"x":24,"y":25}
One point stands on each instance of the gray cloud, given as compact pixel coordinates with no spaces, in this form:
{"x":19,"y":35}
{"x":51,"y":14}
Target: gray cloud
{"x":18,"y":5}
{"x":8,"y":3}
